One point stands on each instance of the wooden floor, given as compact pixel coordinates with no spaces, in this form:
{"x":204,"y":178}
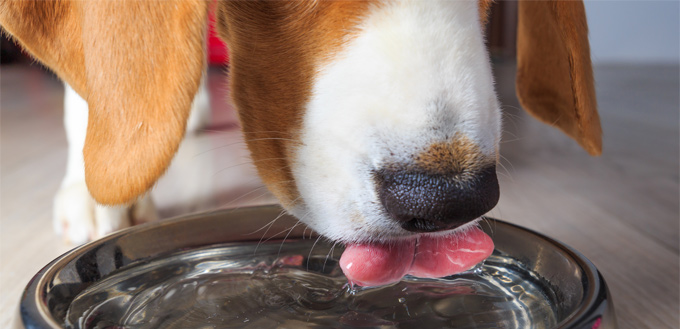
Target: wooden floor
{"x":621,"y":210}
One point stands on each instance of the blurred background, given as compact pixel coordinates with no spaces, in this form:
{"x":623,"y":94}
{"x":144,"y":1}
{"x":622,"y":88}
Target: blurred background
{"x":621,"y":210}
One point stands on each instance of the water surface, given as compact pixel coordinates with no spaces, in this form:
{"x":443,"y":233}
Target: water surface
{"x":300,"y":285}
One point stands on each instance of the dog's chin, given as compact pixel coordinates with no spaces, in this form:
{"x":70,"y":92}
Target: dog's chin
{"x":348,"y":224}
{"x":370,"y":226}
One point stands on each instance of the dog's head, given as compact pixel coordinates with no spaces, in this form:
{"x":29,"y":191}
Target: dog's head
{"x":369,"y":120}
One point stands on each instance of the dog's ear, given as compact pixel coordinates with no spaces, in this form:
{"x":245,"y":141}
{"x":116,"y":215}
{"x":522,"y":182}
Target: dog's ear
{"x":554,"y":72}
{"x":137,"y":63}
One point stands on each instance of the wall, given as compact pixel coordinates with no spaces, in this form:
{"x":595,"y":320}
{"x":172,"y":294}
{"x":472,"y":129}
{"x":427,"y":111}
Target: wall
{"x":634,"y":31}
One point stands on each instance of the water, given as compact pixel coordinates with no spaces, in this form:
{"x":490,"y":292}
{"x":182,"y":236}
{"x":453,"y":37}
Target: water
{"x":236,"y":286}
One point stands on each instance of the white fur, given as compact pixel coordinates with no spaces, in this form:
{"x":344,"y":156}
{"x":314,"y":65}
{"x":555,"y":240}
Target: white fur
{"x":416,"y":73}
{"x":76,"y":215}
{"x":199,"y":117}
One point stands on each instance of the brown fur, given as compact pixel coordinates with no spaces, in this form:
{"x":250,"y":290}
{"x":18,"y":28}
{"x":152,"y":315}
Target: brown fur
{"x":270,"y":94}
{"x":275,"y":49}
{"x":51,"y":32}
{"x":138,"y":64}
{"x":484,"y":7}
{"x":554,"y":73}
{"x":459,"y":156}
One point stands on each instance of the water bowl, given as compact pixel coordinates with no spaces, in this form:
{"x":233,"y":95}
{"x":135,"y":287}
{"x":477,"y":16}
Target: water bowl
{"x":243,"y":269}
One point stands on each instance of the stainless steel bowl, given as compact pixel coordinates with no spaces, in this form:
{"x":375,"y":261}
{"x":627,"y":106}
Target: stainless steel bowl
{"x":584,"y":300}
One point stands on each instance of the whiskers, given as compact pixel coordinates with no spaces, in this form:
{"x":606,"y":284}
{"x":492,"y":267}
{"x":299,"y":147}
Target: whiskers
{"x":311,"y":250}
{"x":507,"y":173}
{"x":488,"y":221}
{"x":268,"y":227}
{"x":249,"y":162}
{"x":329,"y":254}
{"x":242,"y":138}
{"x":286,"y":237}
{"x":512,"y":118}
{"x":241,"y":169}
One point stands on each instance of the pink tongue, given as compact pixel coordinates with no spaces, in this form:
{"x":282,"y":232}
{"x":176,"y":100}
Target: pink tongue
{"x":379,"y":264}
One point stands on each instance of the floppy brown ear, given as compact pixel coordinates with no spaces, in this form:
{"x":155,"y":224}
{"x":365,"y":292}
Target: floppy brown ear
{"x":554,"y":72}
{"x":137,"y":63}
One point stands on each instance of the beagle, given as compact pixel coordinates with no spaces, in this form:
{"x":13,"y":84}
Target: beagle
{"x":374,"y":122}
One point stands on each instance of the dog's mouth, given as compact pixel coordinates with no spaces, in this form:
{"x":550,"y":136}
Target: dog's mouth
{"x":426,"y":256}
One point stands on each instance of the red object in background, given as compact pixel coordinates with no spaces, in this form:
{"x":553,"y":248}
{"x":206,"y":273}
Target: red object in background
{"x":217,"y":50}
{"x":597,"y":323}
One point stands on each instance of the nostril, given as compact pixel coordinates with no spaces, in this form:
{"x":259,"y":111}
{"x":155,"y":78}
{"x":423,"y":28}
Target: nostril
{"x":422,"y":225}
{"x":423,"y":202}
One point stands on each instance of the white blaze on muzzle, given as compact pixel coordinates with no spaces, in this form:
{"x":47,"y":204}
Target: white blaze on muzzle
{"x":417,"y":73}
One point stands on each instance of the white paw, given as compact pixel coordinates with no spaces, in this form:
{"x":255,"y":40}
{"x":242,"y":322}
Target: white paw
{"x":79,"y":219}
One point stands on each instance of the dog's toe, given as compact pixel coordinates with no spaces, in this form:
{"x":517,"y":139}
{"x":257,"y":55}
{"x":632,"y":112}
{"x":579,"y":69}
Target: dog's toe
{"x":79,"y":219}
{"x":74,"y":214}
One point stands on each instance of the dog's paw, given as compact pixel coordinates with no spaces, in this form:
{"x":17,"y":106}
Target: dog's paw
{"x":79,"y":219}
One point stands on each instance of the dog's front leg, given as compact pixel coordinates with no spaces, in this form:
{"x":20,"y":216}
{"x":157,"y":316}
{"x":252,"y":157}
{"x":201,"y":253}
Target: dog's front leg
{"x":76,"y":215}
{"x":200,"y":115}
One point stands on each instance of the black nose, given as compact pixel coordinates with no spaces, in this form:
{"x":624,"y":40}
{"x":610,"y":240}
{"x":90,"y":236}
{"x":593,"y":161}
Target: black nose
{"x":424,"y":202}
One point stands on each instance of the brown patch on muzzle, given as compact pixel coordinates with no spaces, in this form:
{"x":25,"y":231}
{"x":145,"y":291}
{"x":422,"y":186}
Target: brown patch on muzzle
{"x":458,"y":156}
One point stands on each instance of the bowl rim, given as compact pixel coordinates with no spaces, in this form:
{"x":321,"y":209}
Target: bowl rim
{"x":33,"y":312}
